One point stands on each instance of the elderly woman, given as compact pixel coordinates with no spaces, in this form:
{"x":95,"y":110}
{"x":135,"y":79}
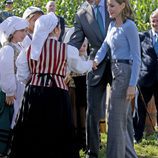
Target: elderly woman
{"x":44,"y":128}
{"x":12,"y":31}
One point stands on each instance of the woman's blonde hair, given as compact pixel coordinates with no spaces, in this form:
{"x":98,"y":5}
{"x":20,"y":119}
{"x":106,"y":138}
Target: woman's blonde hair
{"x":127,"y":11}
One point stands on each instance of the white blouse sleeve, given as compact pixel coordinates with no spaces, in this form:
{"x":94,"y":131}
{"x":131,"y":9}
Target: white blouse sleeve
{"x":7,"y":71}
{"x":23,"y":72}
{"x":75,"y":63}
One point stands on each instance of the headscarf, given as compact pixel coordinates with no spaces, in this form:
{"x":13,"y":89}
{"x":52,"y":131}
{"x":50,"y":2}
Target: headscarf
{"x":31,"y":11}
{"x":43,"y":26}
{"x":9,"y":26}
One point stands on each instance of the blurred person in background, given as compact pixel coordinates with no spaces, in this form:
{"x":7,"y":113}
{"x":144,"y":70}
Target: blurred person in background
{"x":148,"y":76}
{"x":7,"y":12}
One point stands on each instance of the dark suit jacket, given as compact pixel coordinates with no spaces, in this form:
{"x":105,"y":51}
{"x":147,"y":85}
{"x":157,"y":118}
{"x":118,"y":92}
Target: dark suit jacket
{"x":149,"y":60}
{"x":86,"y":26}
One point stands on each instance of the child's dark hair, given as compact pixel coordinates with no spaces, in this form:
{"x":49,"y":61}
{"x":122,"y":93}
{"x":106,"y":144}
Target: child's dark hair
{"x":58,"y":24}
{"x":10,"y":38}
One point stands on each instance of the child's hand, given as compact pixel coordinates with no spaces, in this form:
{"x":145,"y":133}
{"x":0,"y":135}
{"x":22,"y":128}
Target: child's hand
{"x":82,"y":53}
{"x":10,"y":100}
{"x":67,"y":78}
{"x":95,"y":64}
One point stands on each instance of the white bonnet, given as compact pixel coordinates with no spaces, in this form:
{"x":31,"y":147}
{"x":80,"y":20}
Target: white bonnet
{"x":10,"y":25}
{"x":43,"y":26}
{"x":30,"y":11}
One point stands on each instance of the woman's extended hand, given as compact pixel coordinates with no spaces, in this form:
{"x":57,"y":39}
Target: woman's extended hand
{"x":131,"y":91}
{"x":95,"y":64}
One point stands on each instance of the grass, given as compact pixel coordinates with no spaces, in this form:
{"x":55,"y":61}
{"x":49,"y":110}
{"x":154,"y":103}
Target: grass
{"x":148,"y":148}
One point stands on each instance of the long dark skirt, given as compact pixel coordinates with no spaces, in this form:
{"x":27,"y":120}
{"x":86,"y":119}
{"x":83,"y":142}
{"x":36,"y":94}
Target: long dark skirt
{"x":81,"y":107}
{"x":44,"y":128}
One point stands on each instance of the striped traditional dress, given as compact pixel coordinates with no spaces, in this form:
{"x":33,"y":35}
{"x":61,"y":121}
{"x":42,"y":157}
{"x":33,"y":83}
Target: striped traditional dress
{"x":44,"y":128}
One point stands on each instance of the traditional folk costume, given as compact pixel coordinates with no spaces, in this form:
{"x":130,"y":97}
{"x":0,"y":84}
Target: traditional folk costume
{"x":44,"y":128}
{"x":9,"y":84}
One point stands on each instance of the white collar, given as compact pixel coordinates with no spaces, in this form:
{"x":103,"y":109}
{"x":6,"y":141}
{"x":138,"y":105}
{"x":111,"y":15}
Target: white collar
{"x":154,"y":33}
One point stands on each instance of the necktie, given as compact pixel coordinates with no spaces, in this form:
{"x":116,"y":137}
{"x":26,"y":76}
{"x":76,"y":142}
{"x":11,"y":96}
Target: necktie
{"x":156,"y":45}
{"x":100,"y":21}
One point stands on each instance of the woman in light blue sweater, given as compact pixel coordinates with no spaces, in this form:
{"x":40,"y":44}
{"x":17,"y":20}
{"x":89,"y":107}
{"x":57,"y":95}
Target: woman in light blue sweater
{"x":123,"y":41}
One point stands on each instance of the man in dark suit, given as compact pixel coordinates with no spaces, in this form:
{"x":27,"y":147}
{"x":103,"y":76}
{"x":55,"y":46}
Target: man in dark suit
{"x":86,"y":25}
{"x":148,"y":77}
{"x":51,"y":7}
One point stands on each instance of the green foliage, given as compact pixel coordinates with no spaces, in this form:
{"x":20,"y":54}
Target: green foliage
{"x":68,"y":8}
{"x":142,"y":10}
{"x":65,"y":8}
{"x":21,"y":5}
{"x":146,"y":149}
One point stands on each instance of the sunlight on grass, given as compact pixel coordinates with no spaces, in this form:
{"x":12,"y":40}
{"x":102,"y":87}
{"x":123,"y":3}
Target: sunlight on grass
{"x":148,"y":148}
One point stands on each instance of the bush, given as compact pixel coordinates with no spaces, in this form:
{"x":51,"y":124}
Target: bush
{"x":65,"y":8}
{"x":142,"y":10}
{"x":68,"y":8}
